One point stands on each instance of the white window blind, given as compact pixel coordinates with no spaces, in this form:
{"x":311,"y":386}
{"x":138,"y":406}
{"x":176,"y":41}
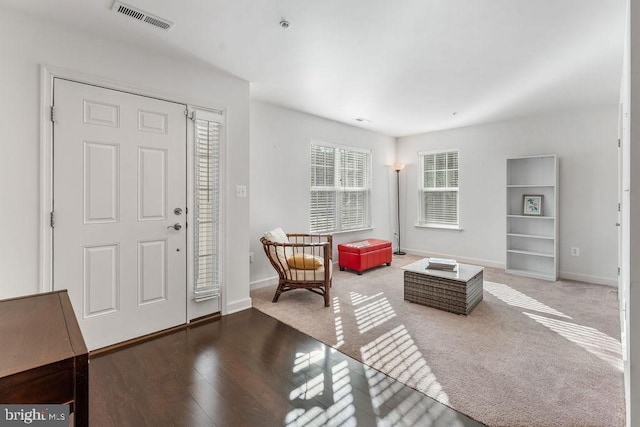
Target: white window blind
{"x":438,"y":186}
{"x":206,"y":207}
{"x":340,"y":189}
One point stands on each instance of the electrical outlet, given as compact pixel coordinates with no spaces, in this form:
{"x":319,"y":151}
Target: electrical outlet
{"x":241,"y":191}
{"x":250,"y":257}
{"x":575,"y":251}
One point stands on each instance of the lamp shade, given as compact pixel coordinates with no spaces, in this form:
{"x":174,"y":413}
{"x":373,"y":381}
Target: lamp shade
{"x":398,"y":166}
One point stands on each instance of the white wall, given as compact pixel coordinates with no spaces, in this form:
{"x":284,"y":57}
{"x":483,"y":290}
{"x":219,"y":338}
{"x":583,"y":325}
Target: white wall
{"x":631,"y":94}
{"x":586,"y":145}
{"x":280,"y":165}
{"x":625,"y":258}
{"x":25,"y":44}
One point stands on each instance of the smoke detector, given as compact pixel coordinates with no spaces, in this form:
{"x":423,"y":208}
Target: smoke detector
{"x":140,"y":15}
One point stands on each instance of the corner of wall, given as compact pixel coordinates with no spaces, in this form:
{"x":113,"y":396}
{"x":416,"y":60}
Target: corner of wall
{"x":236,"y":306}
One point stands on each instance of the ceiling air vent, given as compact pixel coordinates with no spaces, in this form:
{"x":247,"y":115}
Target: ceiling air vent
{"x":141,"y":15}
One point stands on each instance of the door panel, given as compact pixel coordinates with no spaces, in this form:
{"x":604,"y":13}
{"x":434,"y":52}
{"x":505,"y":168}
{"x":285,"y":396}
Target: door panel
{"x":119,"y":173}
{"x":152,"y":184}
{"x":152,"y":277}
{"x":101,"y":182}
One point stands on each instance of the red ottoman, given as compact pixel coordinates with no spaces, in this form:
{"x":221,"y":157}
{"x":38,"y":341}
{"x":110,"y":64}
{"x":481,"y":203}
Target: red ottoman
{"x":363,"y":255}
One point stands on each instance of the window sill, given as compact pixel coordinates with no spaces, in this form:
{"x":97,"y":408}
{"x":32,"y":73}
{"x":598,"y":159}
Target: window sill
{"x":346,"y":231}
{"x":440,"y":227}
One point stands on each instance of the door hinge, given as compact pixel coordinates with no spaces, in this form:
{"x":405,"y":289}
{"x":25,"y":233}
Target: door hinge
{"x":618,"y":271}
{"x":53,"y":114}
{"x":52,"y":219}
{"x":618,"y":207}
{"x":618,"y":142}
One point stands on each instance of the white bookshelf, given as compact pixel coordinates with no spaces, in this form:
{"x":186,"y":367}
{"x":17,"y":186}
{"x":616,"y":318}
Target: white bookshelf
{"x":532,"y":240}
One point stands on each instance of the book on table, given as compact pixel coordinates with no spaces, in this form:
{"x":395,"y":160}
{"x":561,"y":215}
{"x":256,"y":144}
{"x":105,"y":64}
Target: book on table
{"x":442,"y":264}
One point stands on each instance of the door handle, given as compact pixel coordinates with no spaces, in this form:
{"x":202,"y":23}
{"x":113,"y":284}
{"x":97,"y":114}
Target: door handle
{"x":175,"y":226}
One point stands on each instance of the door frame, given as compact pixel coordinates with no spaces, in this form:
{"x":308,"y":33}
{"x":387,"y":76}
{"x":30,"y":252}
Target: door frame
{"x":45,"y":255}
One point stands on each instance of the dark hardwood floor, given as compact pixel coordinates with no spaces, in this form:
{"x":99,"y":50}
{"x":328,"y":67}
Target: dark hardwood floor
{"x":248,"y":369}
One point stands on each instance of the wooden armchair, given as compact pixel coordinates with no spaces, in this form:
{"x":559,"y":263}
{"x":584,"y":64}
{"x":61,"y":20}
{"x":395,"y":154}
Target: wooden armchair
{"x":303,"y":261}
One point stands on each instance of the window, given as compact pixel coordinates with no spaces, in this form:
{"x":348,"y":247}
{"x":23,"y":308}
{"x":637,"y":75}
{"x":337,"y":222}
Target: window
{"x":438,"y":186}
{"x":206,"y":203}
{"x":340,"y":188}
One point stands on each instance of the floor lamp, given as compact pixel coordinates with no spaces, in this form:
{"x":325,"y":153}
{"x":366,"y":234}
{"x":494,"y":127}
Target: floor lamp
{"x":398,"y":167}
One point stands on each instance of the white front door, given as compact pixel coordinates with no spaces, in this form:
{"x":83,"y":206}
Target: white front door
{"x":119,"y":187}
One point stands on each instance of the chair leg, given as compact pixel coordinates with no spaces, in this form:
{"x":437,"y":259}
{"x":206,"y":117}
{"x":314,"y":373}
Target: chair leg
{"x":327,"y":296}
{"x":277,"y":294}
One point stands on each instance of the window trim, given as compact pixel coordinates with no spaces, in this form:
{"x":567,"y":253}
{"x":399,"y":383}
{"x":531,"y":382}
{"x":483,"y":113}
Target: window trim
{"x":420,"y":219}
{"x":338,"y":190}
{"x":215,"y":289}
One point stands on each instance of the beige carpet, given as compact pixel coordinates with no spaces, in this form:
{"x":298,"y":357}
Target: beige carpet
{"x":532,"y":353}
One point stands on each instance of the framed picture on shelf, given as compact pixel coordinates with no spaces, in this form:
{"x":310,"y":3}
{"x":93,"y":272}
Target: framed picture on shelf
{"x":532,"y":204}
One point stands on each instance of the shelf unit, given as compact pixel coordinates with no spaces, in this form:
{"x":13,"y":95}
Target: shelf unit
{"x":532,"y":240}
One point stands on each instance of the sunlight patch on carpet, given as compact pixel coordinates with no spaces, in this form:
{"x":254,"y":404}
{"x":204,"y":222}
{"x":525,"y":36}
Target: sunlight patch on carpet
{"x":518,"y":299}
{"x":595,"y":342}
{"x":357,"y":299}
{"x":396,"y":354}
{"x":373,"y":314}
{"x":337,"y":318}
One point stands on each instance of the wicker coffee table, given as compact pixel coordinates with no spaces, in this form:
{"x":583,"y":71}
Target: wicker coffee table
{"x":455,"y":291}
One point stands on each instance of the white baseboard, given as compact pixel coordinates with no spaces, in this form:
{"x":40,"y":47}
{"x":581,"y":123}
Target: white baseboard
{"x":589,"y":279}
{"x":271,"y":281}
{"x":263,"y":283}
{"x":473,"y":261}
{"x":486,"y":263}
{"x":236,"y":306}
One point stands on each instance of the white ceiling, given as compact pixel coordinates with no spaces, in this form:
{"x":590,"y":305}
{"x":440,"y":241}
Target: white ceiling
{"x":405,"y":65}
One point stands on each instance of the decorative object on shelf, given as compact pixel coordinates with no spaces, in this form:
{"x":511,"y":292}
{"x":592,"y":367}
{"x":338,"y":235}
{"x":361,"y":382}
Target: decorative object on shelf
{"x":398,"y":167}
{"x":532,"y":204}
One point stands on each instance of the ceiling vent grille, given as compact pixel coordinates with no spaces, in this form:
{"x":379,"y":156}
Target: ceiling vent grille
{"x":141,"y":15}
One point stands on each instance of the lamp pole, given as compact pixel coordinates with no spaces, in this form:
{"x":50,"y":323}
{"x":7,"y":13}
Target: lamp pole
{"x":398,"y":167}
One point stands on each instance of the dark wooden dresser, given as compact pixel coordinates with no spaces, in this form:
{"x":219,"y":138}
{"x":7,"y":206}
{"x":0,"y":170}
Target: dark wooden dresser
{"x":43,"y":357}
